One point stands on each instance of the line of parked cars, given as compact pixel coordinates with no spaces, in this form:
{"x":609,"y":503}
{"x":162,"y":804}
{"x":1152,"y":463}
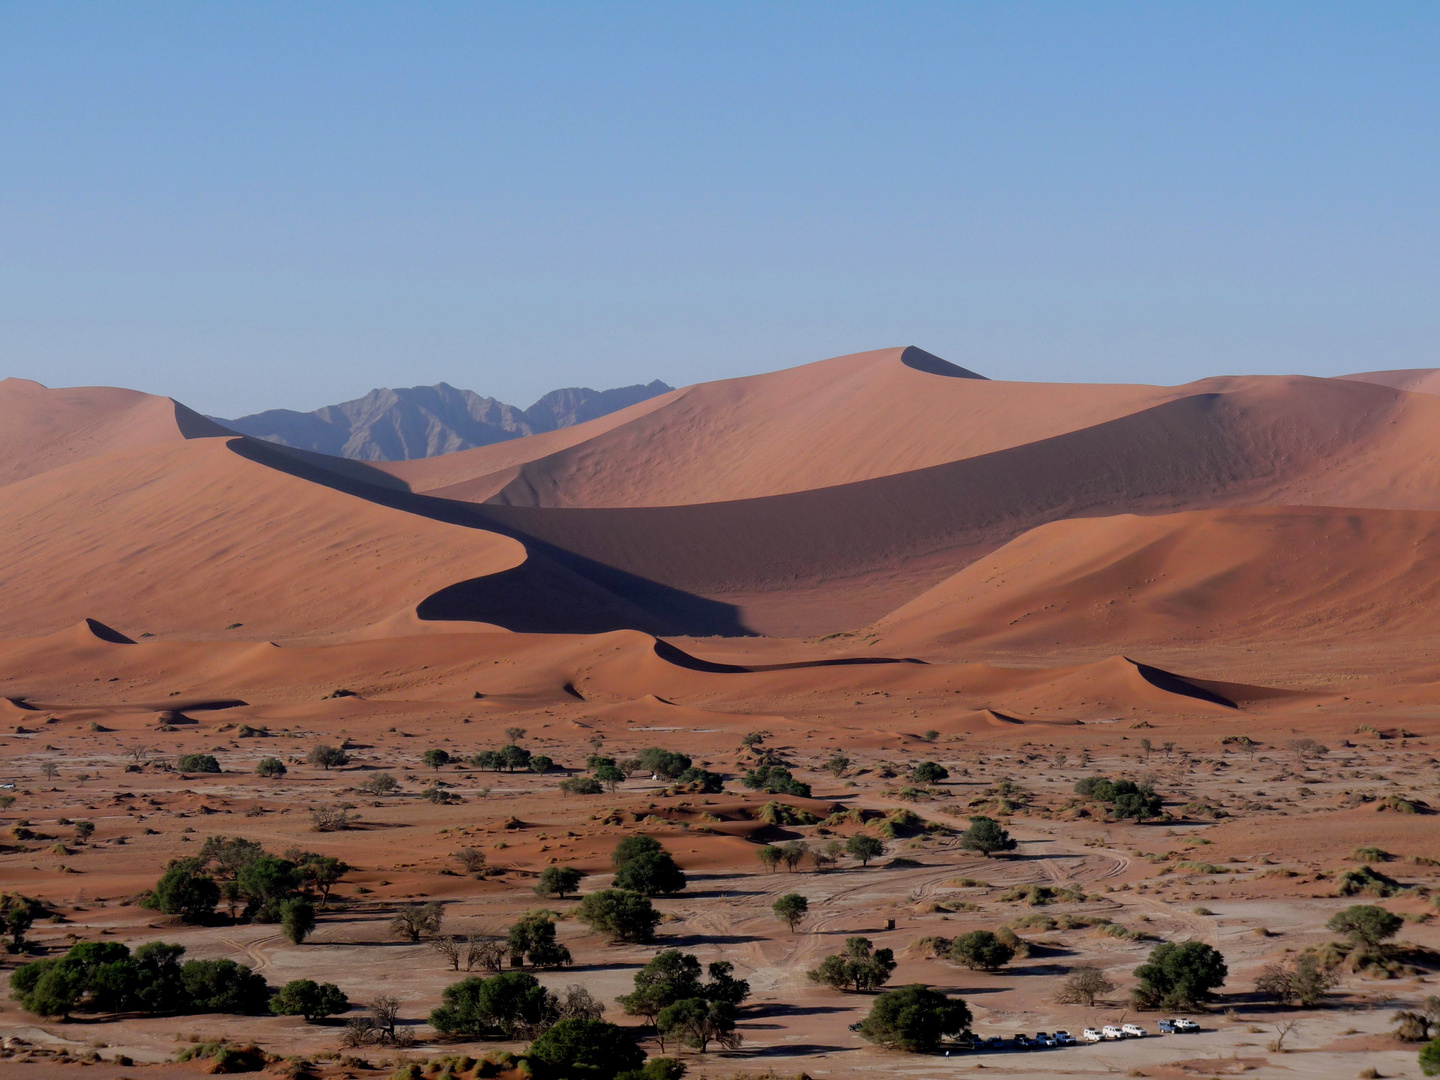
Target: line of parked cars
{"x":1044,"y":1040}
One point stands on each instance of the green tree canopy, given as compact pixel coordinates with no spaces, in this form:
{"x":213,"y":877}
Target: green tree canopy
{"x":297,"y":919}
{"x":509,"y":1005}
{"x":620,"y":914}
{"x":533,"y":939}
{"x":327,"y":757}
{"x":864,"y":848}
{"x":670,"y":977}
{"x":914,"y":1018}
{"x":1179,"y":976}
{"x":651,"y":874}
{"x":986,"y":836}
{"x":981,"y":950}
{"x":662,"y":764}
{"x":928,"y":772}
{"x":632,"y":847}
{"x":775,"y":780}
{"x":182,"y":890}
{"x":791,"y":909}
{"x":558,"y":881}
{"x":307,"y":998}
{"x":1365,"y":924}
{"x":697,"y":1022}
{"x":582,"y":1049}
{"x":861,"y":967}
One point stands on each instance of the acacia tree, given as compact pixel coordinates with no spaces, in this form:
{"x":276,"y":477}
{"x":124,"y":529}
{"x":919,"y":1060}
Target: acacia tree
{"x":297,"y":919}
{"x":307,"y":998}
{"x":1179,"y":976}
{"x":861,"y":965}
{"x":770,"y":857}
{"x":914,"y":1018}
{"x":864,"y":848}
{"x":558,"y":880}
{"x":986,"y":836}
{"x":327,"y":757}
{"x":791,"y":909}
{"x":697,"y":1023}
{"x":533,"y":939}
{"x":415,"y":921}
{"x":1299,"y":981}
{"x":981,"y":950}
{"x":670,"y":977}
{"x":1365,"y":924}
{"x":622,"y":915}
{"x":793,"y":853}
{"x":1083,"y":986}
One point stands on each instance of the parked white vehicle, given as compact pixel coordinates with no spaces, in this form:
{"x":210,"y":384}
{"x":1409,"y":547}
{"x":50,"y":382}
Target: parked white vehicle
{"x":1185,"y":1025}
{"x":1064,"y":1038}
{"x":1134,"y":1031}
{"x":1110,"y":1031}
{"x":1091,"y":1035}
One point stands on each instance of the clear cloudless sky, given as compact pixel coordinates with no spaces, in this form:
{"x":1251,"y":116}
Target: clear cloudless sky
{"x":251,"y":205}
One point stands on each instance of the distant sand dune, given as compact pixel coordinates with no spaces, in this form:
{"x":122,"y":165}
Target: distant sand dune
{"x":1262,"y":573}
{"x":806,"y":501}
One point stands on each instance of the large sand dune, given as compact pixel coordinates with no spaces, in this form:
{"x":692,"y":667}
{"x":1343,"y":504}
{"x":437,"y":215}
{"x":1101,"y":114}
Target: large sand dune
{"x":1262,"y":573}
{"x":242,"y":530}
{"x":820,"y":425}
{"x":188,"y":538}
{"x":1225,"y":588}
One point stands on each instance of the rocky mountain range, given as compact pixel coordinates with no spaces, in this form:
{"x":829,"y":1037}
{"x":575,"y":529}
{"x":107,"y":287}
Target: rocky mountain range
{"x":424,"y":421}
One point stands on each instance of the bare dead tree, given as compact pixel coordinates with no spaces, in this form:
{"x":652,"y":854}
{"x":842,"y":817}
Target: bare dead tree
{"x":486,"y":952}
{"x":449,"y":948}
{"x":1277,"y":1045}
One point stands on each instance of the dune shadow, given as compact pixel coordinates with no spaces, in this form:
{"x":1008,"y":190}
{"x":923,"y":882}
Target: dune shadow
{"x":555,"y":590}
{"x":796,"y":1049}
{"x":780,"y":1008}
{"x":671,"y":941}
{"x":1174,"y":684}
{"x":680,"y":658}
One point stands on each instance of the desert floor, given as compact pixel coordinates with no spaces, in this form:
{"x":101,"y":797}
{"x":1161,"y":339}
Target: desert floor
{"x":1257,"y":881}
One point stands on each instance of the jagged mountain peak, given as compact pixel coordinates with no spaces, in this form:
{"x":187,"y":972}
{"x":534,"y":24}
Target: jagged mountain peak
{"x":404,"y":423}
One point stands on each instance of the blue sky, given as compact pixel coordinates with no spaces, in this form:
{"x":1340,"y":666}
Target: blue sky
{"x":250,"y":205}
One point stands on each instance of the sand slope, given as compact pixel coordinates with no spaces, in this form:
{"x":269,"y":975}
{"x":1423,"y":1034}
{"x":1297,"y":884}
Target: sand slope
{"x":819,"y":560}
{"x":833,"y":422}
{"x":188,"y":538}
{"x":158,"y":532}
{"x":1411,"y":380}
{"x":1264,"y":573}
{"x":44,"y":429}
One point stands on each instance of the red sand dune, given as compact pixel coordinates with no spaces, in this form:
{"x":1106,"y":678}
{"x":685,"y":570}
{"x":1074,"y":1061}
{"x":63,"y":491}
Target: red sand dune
{"x":821,"y":560}
{"x":1411,"y":380}
{"x":45,"y":429}
{"x":1263,"y":573}
{"x":187,"y":538}
{"x":833,"y":422}
{"x":921,"y":469}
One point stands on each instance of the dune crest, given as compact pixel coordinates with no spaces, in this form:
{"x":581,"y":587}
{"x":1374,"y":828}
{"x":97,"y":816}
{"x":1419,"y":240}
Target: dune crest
{"x":46,"y":429}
